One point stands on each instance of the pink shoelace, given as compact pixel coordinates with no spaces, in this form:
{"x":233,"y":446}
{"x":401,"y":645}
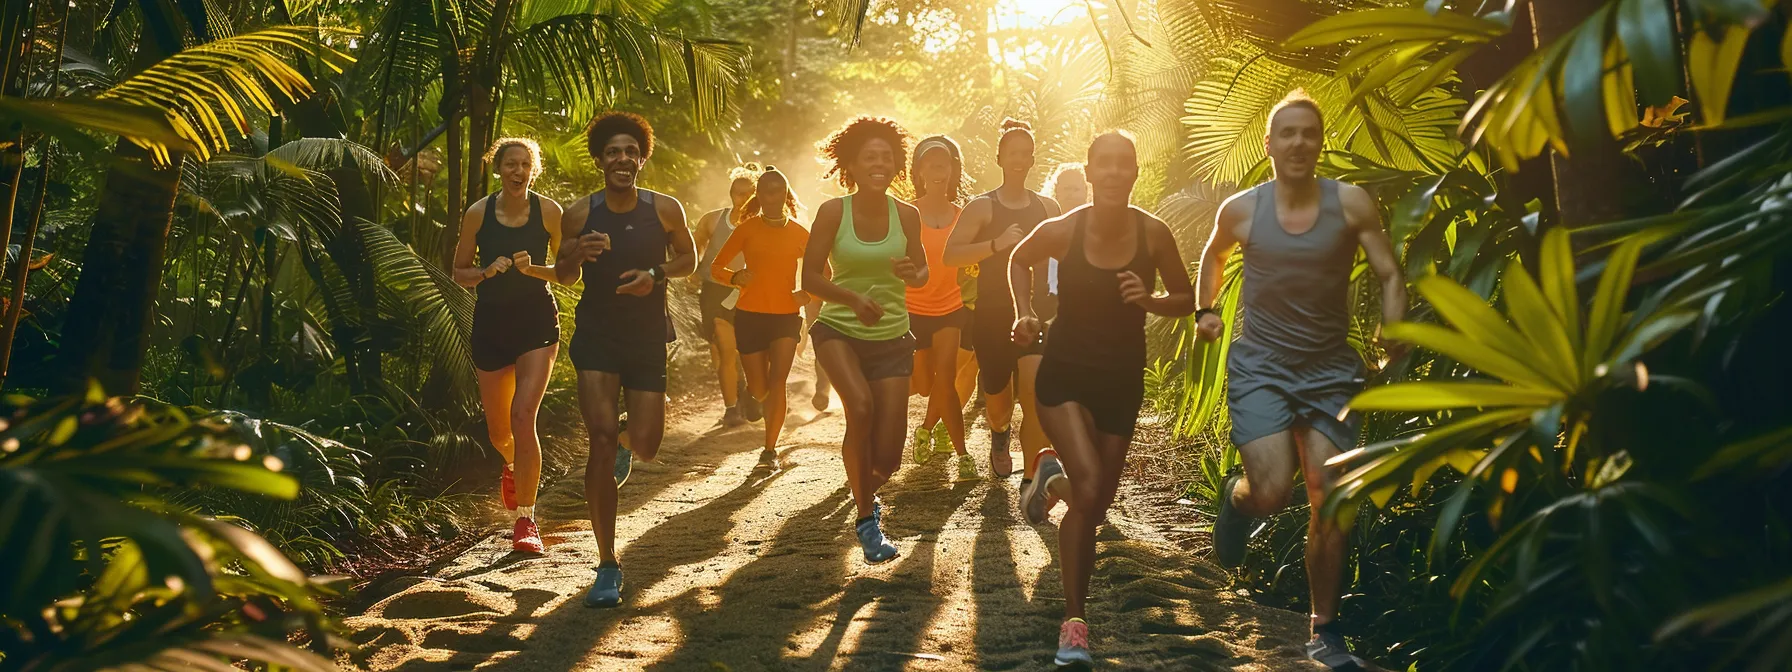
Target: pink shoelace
{"x":1073,"y":634}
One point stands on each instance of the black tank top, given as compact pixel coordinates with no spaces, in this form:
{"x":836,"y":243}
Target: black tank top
{"x":497,"y":240}
{"x":992,"y":272}
{"x":637,"y":241}
{"x":1094,"y":327}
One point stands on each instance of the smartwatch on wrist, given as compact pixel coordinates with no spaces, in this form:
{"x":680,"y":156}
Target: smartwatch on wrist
{"x":1203,"y":312}
{"x":655,"y":273}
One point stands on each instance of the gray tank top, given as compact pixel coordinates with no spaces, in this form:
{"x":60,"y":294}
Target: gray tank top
{"x":718,"y":238}
{"x":1297,"y":288}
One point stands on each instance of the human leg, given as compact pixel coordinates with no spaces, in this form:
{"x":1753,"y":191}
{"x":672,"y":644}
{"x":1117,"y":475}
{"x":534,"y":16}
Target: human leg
{"x":532,"y":372}
{"x":599,"y":392}
{"x":1032,"y":435}
{"x":783,"y":354}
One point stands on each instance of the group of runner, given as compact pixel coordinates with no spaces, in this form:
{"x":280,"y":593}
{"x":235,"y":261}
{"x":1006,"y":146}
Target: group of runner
{"x":1052,"y":290}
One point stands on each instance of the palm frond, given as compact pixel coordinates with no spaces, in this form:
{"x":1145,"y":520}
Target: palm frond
{"x":441,"y":311}
{"x":232,"y":75}
{"x":70,"y":121}
{"x":591,"y":60}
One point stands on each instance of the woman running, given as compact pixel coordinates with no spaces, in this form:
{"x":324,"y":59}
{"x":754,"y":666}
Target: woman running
{"x":768,"y":318}
{"x":872,"y":244}
{"x":516,"y":323}
{"x":936,"y":312}
{"x":715,"y":314}
{"x":986,"y":235}
{"x":1070,"y":188}
{"x":1091,"y":381}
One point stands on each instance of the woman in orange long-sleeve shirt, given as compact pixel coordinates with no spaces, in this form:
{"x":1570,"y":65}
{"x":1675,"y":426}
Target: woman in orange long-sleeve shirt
{"x":767,"y":317}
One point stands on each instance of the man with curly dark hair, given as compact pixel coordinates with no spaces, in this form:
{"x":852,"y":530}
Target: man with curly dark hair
{"x":622,"y":237}
{"x":992,"y":224}
{"x":871,"y":243}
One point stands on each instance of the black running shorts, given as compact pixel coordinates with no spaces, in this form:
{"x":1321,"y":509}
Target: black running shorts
{"x":894,"y":358}
{"x":505,"y":329}
{"x":754,"y":332}
{"x":1112,"y":396}
{"x":641,"y":365}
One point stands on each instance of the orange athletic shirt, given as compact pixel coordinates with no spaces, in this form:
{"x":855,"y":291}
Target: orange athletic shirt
{"x":941,"y":294}
{"x":772,"y":253}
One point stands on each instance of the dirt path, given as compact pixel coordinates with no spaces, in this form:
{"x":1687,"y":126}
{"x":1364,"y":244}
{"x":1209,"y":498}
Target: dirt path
{"x":730,"y":566}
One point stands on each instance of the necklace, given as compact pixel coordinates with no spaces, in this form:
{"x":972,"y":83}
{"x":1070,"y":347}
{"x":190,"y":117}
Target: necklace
{"x":773,"y":222}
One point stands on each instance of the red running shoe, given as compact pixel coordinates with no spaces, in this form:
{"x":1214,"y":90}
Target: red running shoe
{"x":507,"y":488}
{"x":525,"y":537}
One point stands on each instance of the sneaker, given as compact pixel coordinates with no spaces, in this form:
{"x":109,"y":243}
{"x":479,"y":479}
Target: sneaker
{"x":967,"y":468}
{"x":507,"y":488}
{"x":877,"y":509}
{"x":1329,"y":649}
{"x":942,"y":441}
{"x":1073,"y":644}
{"x":731,"y":417}
{"x":607,"y":591}
{"x":525,"y":537}
{"x":1001,"y":462}
{"x":624,"y":464}
{"x":751,"y":409}
{"x":1232,"y":529}
{"x":1033,"y":497}
{"x":871,"y":540}
{"x":921,"y":446}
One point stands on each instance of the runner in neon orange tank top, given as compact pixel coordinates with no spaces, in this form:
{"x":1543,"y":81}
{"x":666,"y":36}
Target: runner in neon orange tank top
{"x":937,"y":315}
{"x":767,"y":319}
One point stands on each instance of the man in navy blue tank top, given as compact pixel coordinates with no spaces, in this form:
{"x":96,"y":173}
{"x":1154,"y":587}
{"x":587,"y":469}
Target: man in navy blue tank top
{"x":628,"y":241}
{"x":1291,"y":371}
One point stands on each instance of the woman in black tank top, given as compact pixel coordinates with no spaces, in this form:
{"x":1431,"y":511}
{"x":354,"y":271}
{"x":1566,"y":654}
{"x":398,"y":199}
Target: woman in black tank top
{"x":516,"y":323}
{"x":1091,"y":381}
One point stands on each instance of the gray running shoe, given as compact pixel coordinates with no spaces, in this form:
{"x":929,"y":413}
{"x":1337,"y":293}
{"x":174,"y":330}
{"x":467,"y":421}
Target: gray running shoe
{"x":1035,"y":503}
{"x":607,"y":591}
{"x":1329,"y":649}
{"x":871,"y":540}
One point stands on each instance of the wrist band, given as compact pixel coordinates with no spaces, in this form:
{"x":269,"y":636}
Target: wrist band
{"x":1202,"y":312}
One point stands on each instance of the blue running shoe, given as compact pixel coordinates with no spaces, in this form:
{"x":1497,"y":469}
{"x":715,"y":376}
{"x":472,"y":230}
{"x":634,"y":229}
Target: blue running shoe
{"x":871,"y":540}
{"x":607,"y":592}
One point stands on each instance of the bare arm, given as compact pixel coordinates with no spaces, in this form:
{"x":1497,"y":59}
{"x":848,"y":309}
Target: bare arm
{"x":1178,"y":298}
{"x":1233,"y":213}
{"x":1365,"y":220}
{"x":816,"y":280}
{"x":678,"y":233}
{"x":718,"y":267}
{"x":910,"y":220}
{"x":467,"y":272}
{"x":569,"y":264}
{"x":1050,"y":240}
{"x":550,"y":218}
{"x":960,"y":251}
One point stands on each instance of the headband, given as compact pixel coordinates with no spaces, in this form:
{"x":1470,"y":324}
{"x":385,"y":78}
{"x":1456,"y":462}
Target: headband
{"x":931,"y":143}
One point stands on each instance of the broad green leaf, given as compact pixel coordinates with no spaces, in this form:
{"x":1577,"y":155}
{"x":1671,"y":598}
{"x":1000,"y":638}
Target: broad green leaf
{"x":1557,"y":270}
{"x":1651,"y":333}
{"x":1647,"y":30}
{"x":1527,"y":307}
{"x":1766,"y":452}
{"x":1720,"y":613}
{"x":1394,"y":23}
{"x":1711,"y":64}
{"x":1582,"y":70}
{"x":1619,"y":91}
{"x":1431,"y":396}
{"x":1608,"y":302}
{"x":1471,"y":315}
{"x":1461,"y":348}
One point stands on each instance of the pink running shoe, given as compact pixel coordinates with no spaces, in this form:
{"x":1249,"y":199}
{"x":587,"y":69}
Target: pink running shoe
{"x":507,"y":489}
{"x":525,"y":537}
{"x":1073,"y":644}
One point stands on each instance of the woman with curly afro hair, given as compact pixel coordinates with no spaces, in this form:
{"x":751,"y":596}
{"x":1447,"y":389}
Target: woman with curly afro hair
{"x":864,"y":251}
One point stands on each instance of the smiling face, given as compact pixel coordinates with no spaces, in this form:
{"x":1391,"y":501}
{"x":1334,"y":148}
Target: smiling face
{"x":740,"y":191}
{"x":1015,"y":155}
{"x":1071,"y":189}
{"x":874,"y":166}
{"x":934,"y":172}
{"x":1113,"y":168}
{"x":1295,"y":137}
{"x":621,"y":162}
{"x":516,"y":168}
{"x":772,"y":195}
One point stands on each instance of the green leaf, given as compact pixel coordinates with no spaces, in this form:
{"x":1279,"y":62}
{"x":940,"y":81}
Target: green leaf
{"x":1461,"y":348}
{"x":1471,"y":315}
{"x":1608,"y":302}
{"x":1711,"y":64}
{"x":1395,"y":24}
{"x":1582,"y":70}
{"x":69,"y":121}
{"x":1432,"y":396}
{"x":1527,"y":307}
{"x":1764,"y":452}
{"x":1647,"y":29}
{"x":1557,"y":269}
{"x":1651,"y":334}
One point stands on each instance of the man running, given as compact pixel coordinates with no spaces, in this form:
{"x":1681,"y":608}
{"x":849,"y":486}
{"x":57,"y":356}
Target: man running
{"x":621,"y":326}
{"x":1291,"y":372}
{"x":986,"y":233}
{"x":714,"y":299}
{"x":1092,"y":378}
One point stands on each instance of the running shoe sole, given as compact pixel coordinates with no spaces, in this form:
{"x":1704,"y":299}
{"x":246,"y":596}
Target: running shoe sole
{"x":1033,"y":497}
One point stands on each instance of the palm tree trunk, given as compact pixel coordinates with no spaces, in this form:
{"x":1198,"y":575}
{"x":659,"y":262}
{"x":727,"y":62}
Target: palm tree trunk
{"x":482,"y":97}
{"x":12,"y":82}
{"x":18,"y":274}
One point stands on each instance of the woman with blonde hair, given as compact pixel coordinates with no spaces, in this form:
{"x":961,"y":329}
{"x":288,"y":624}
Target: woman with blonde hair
{"x":516,"y":323}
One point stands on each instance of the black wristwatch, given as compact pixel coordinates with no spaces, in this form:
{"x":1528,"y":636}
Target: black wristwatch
{"x":1202,"y":312}
{"x":655,"y":273}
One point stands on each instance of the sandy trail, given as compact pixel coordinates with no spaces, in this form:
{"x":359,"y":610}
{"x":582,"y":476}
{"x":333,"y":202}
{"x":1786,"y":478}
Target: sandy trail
{"x":731,"y":566}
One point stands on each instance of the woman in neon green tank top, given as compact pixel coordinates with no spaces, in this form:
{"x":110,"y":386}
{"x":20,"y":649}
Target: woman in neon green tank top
{"x":871,"y":243}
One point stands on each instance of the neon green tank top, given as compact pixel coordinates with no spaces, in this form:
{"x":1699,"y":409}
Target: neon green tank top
{"x":864,"y":268}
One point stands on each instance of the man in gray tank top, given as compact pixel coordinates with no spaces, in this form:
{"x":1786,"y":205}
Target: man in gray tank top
{"x":1291,"y":371}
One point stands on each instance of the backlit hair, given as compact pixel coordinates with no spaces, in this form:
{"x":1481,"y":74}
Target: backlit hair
{"x":498,"y":148}
{"x":1118,"y":134}
{"x":752,"y":209}
{"x":1295,"y":98}
{"x":611,"y":124}
{"x":1062,"y":172}
{"x":1012,"y":127}
{"x":958,"y":183}
{"x":843,"y":145}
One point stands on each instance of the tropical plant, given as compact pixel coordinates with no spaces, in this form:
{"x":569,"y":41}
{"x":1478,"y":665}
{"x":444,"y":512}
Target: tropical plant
{"x":104,"y":572}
